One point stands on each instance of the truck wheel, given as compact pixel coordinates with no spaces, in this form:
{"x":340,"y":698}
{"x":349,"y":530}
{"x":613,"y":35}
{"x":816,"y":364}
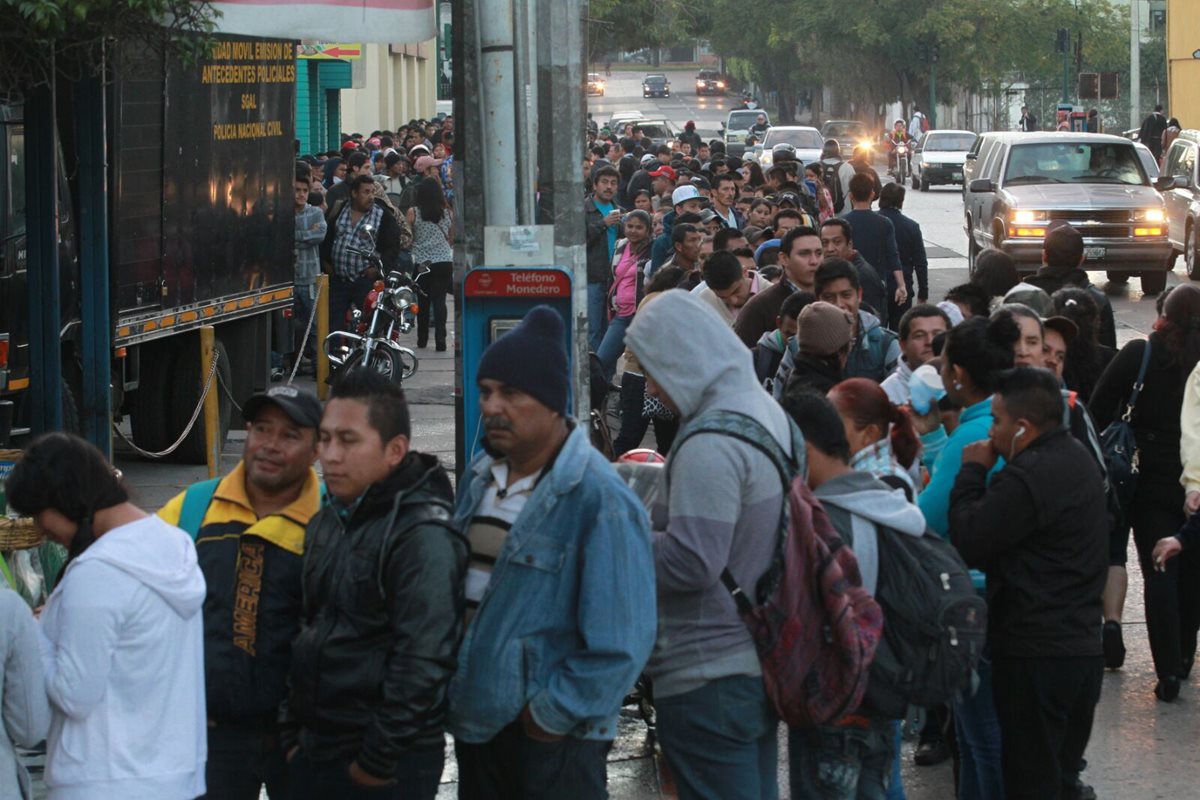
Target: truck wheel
{"x":1190,"y":257}
{"x":924,"y":185}
{"x":148,"y":403}
{"x":1154,"y":281}
{"x":187,"y":381}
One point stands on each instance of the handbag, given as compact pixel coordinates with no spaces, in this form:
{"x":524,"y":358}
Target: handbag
{"x":1119,"y":444}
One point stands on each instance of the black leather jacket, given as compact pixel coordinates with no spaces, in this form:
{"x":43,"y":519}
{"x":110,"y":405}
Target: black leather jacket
{"x":382,"y":620}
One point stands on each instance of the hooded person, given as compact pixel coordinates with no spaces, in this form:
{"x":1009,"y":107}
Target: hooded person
{"x":121,"y":636}
{"x":823,"y":336}
{"x":718,"y":508}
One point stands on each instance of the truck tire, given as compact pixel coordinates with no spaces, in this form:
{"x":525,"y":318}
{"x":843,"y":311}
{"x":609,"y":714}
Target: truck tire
{"x":1191,"y":258}
{"x":1154,"y":281}
{"x":187,"y":381}
{"x":148,"y":403}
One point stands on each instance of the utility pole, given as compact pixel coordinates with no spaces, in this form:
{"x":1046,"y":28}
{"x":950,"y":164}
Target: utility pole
{"x":1135,"y":64}
{"x":1065,"y":42}
{"x":933,"y":62}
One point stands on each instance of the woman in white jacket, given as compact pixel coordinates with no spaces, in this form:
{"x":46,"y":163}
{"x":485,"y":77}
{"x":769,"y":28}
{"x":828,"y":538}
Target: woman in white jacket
{"x":121,"y":636}
{"x":25,"y":714}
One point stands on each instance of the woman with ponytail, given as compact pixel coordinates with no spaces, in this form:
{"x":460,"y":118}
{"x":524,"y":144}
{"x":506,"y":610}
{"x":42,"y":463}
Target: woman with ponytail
{"x":121,"y":636}
{"x":882,"y":438}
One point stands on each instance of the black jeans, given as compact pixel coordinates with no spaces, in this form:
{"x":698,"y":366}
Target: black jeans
{"x":241,"y":759}
{"x":1172,"y":597}
{"x":1045,"y":707}
{"x":514,"y":767}
{"x":343,"y":293}
{"x":417,"y":777}
{"x":634,"y":425}
{"x":436,"y":286}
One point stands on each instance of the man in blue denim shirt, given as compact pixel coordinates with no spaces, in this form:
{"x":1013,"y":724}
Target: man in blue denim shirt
{"x":560,"y":585}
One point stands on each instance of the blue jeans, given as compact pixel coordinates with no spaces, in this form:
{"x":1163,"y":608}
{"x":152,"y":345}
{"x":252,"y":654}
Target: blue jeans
{"x":343,"y":294}
{"x":896,"y":787}
{"x":842,"y":762}
{"x":513,"y":766}
{"x":613,"y":344}
{"x":597,"y":314}
{"x":302,"y":310}
{"x":720,"y":742}
{"x":977,"y":727}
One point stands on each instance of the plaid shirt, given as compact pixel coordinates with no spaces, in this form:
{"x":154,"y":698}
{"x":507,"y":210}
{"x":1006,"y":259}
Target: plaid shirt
{"x":310,"y":232}
{"x":348,"y":265}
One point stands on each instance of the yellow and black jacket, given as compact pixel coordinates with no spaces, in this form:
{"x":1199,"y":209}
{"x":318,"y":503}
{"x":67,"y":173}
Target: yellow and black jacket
{"x":253,"y":604}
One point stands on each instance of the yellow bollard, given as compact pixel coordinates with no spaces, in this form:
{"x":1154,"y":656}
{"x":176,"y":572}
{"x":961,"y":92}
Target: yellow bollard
{"x":212,"y":402}
{"x":321,"y":332}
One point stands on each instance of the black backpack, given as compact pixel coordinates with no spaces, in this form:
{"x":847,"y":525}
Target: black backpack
{"x":831,"y":175}
{"x":934,"y":629}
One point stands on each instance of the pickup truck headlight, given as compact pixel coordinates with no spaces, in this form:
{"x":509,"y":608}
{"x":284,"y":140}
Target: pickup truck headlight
{"x":1025,"y":217}
{"x":1150,"y":215}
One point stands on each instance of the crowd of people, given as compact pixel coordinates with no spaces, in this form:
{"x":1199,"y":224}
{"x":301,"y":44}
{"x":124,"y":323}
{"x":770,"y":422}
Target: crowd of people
{"x":391,"y":195}
{"x":320,"y":634}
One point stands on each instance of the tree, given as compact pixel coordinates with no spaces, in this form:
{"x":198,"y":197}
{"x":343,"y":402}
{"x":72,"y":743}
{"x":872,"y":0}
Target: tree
{"x":42,"y":38}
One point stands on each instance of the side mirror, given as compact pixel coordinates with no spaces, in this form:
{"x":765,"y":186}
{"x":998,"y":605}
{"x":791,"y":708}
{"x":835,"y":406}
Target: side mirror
{"x":1167,"y":182}
{"x":972,"y":156}
{"x":982,"y":186}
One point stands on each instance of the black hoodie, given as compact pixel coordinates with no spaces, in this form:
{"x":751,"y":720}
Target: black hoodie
{"x":382,"y":620}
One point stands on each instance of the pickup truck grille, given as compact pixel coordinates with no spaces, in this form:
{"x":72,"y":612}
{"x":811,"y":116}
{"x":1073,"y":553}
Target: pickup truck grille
{"x":1104,"y":231}
{"x":1097,"y":215}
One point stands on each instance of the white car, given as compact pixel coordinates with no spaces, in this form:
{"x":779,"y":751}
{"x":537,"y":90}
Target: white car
{"x":737,"y":128}
{"x":619,"y":118}
{"x":939,"y":158}
{"x":805,"y":139}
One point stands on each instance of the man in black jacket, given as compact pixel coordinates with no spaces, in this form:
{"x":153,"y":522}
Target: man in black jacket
{"x":1039,"y":530}
{"x":1062,"y":265}
{"x":1151,"y":131}
{"x":911,"y":244}
{"x":364,"y":224}
{"x":383,"y":608}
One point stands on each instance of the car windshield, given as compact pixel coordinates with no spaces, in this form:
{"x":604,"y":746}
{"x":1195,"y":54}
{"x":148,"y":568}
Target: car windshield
{"x":593,"y":77}
{"x":807,"y":140}
{"x":655,"y":79}
{"x":742,"y":120}
{"x":950,"y":142}
{"x":707,"y":75}
{"x":847,"y":130}
{"x":1075,"y":162}
{"x":655,"y":130}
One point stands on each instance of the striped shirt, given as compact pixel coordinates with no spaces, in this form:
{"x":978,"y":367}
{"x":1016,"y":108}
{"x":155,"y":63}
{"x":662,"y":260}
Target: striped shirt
{"x":499,"y":508}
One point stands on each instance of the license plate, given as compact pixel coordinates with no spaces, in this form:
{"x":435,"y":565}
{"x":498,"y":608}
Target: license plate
{"x":1094,"y":253}
{"x":957,"y":176}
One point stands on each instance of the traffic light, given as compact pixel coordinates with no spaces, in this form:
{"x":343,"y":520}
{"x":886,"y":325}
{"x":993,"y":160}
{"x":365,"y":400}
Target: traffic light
{"x":1063,"y":43}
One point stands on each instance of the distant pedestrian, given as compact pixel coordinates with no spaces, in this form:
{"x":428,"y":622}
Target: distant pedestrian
{"x":910,"y":242}
{"x":433,"y":238}
{"x":362,"y":226}
{"x":1168,"y":137}
{"x":838,"y":241}
{"x":602,"y":220}
{"x":1028,"y":122}
{"x":629,"y":261}
{"x":561,"y":585}
{"x":122,"y":635}
{"x":1151,"y":132}
{"x":310,"y":232}
{"x":874,"y":238}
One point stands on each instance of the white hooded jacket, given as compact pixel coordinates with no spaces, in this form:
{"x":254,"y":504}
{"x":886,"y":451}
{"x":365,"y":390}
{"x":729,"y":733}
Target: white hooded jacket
{"x":122,"y":647}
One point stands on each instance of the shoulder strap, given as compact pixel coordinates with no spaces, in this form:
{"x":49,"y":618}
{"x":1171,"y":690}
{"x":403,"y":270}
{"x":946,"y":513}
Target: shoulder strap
{"x":195,"y":504}
{"x":1138,"y":385}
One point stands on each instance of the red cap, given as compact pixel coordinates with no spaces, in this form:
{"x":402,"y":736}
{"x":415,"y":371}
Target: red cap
{"x":663,"y":172}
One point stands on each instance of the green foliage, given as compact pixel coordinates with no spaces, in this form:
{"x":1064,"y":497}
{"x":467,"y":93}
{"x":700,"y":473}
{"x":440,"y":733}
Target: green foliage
{"x":44,"y":37}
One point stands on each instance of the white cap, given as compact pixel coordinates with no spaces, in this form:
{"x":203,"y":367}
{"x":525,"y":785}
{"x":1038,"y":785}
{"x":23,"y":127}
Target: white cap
{"x":685,"y":193}
{"x":649,"y":159}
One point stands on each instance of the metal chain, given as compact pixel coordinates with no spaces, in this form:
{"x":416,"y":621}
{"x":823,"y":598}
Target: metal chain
{"x":212,"y":370}
{"x":229,"y":394}
{"x":307,"y":330}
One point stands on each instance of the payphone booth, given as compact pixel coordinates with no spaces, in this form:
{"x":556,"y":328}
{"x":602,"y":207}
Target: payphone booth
{"x":495,"y":299}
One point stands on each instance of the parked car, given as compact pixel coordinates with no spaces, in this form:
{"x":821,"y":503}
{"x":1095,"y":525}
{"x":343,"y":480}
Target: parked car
{"x":849,"y":134}
{"x":596,"y":84}
{"x":619,"y":118}
{"x":939,"y":158}
{"x":737,"y":128}
{"x":656,"y":86}
{"x":1182,"y":198}
{"x":1020,"y":182}
{"x":709,"y":81}
{"x":807,"y":141}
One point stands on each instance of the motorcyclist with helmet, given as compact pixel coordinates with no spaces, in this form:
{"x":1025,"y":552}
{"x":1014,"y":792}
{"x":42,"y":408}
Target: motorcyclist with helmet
{"x":896,"y":136}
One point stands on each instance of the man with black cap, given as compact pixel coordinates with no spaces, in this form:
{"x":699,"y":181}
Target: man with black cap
{"x":560,"y":585}
{"x":249,"y":533}
{"x":382,"y":608}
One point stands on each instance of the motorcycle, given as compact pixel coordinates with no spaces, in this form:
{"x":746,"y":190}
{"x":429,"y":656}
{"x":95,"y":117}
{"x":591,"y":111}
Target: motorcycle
{"x":393,"y":304}
{"x":903,"y":167}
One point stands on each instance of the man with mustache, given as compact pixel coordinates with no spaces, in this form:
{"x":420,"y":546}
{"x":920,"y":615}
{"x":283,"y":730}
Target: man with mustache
{"x":249,"y":533}
{"x":560,"y":589}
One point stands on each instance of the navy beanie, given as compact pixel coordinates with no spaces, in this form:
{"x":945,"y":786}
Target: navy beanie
{"x":532,"y":357}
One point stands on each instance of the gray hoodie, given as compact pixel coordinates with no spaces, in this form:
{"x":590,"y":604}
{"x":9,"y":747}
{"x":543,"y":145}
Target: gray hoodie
{"x":25,"y":712}
{"x":857,"y":502}
{"x":721,"y":499}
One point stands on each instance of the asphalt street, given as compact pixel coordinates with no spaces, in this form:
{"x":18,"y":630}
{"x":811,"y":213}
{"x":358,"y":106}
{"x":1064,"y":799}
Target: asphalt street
{"x":1140,"y":748}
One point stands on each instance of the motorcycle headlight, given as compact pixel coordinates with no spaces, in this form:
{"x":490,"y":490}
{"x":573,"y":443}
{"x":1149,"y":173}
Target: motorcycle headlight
{"x":405,"y":297}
